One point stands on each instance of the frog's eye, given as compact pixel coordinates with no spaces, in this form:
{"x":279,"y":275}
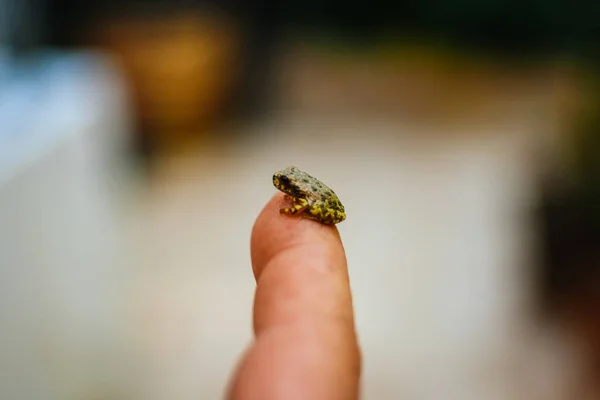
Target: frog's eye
{"x":284,"y":179}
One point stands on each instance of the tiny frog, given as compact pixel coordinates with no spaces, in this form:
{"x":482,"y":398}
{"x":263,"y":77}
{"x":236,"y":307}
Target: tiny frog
{"x":311,"y":198}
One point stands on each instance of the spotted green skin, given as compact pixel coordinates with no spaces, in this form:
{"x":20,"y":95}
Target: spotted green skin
{"x":311,"y":198}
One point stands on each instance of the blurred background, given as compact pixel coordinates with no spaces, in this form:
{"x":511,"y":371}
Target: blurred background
{"x":137,"y":145}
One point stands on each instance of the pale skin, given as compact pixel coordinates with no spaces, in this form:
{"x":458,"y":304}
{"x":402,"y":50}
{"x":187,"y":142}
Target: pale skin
{"x":305,"y":344}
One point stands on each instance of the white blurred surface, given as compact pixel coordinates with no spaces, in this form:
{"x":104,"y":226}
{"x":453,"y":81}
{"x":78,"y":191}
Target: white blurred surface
{"x":437,"y":240}
{"x":62,"y":124}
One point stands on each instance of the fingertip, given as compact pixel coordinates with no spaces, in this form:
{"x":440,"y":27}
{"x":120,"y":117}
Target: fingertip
{"x":306,"y":345}
{"x":274,"y":232}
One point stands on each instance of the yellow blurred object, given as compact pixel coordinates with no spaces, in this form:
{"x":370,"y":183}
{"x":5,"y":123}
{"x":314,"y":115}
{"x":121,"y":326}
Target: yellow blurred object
{"x":179,"y":66}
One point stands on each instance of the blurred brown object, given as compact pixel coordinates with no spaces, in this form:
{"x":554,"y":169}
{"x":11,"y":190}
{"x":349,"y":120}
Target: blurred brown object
{"x":570,"y":230}
{"x":421,"y":81}
{"x":180,"y":68}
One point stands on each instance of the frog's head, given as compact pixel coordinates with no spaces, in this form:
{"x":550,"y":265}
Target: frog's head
{"x":287,"y":181}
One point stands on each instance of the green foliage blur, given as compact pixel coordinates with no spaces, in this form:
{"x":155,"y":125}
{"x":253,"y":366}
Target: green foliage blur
{"x":509,"y":27}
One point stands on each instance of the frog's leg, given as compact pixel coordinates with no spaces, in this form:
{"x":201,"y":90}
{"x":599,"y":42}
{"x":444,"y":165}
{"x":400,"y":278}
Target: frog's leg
{"x":299,"y":206}
{"x":327,"y":215}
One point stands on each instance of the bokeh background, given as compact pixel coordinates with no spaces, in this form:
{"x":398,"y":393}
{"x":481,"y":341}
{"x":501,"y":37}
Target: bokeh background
{"x":137,"y":144}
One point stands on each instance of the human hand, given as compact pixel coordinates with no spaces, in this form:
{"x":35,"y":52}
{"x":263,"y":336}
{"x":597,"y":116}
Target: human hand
{"x":305,"y":343}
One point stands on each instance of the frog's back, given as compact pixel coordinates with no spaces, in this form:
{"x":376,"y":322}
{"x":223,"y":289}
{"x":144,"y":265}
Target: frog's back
{"x":314,"y":189}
